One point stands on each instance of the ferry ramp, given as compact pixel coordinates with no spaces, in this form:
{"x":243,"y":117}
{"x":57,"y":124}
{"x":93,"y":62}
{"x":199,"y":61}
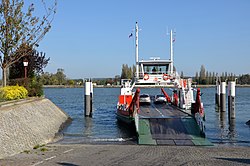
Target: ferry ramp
{"x":164,"y":124}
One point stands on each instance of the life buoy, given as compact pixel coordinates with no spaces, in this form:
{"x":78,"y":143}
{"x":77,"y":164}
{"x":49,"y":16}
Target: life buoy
{"x":185,"y":83}
{"x":146,"y":77}
{"x":165,"y":77}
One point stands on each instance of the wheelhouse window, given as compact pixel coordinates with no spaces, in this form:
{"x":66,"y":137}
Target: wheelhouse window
{"x":155,"y":69}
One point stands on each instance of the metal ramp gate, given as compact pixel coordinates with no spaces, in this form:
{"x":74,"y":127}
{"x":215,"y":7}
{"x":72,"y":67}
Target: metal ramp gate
{"x":178,"y":130}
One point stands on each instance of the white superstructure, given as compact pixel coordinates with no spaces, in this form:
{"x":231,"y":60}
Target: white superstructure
{"x":154,"y":71}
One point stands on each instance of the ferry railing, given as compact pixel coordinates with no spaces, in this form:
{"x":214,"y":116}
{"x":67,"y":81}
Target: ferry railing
{"x":159,"y":73}
{"x":135,"y":102}
{"x":166,"y":95}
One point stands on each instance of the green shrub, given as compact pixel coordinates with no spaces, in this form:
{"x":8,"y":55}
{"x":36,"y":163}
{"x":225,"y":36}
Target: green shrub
{"x":13,"y":92}
{"x":33,"y":85}
{"x":35,"y":88}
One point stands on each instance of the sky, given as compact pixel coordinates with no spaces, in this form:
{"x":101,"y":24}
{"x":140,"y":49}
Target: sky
{"x":89,"y":38}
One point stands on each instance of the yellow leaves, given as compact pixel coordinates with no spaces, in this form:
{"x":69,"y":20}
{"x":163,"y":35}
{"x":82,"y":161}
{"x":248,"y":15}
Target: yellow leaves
{"x":13,"y":92}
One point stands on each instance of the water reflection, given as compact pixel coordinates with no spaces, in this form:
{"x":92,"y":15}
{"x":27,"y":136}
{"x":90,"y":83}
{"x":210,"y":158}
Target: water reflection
{"x":232,"y":131}
{"x":88,"y":125}
{"x":226,"y":131}
{"x":222,"y":117}
{"x":217,"y":108}
{"x":125,"y":130}
{"x":221,"y":126}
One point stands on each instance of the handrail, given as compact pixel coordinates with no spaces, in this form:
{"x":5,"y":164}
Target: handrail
{"x":135,"y":102}
{"x":197,"y":101}
{"x":166,"y":95}
{"x":198,"y":108}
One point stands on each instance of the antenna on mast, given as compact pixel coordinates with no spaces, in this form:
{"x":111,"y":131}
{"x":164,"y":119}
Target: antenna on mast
{"x":136,"y":50}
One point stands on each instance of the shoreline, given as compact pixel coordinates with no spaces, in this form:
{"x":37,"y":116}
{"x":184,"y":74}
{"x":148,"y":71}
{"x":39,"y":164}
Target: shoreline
{"x":118,"y":86}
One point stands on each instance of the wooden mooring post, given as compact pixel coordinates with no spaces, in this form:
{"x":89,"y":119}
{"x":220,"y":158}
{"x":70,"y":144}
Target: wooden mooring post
{"x":88,"y":97}
{"x":231,"y":100}
{"x":223,"y":97}
{"x":217,"y":94}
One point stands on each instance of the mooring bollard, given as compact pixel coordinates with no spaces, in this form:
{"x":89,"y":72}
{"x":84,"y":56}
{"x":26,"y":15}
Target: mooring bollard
{"x":88,"y":99}
{"x":223,"y":97}
{"x":231,"y":99}
{"x":217,"y":95}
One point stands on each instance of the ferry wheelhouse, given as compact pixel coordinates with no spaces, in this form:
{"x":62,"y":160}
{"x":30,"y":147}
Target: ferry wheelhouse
{"x":155,"y":71}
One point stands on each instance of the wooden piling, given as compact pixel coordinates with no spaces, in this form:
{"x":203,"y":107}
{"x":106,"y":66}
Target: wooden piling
{"x":88,"y":99}
{"x":223,"y":97}
{"x":217,"y":94}
{"x":231,"y":99}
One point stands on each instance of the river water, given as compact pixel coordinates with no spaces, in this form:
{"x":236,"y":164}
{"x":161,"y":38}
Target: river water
{"x":104,"y":128}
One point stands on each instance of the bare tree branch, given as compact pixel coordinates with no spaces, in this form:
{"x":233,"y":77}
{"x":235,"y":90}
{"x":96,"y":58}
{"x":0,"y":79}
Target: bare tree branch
{"x":18,"y":27}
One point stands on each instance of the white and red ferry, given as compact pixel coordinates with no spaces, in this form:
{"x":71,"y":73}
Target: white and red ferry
{"x":160,"y":73}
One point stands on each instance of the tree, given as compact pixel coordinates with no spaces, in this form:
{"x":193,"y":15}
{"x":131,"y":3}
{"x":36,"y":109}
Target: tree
{"x":202,"y":75}
{"x":46,"y":78}
{"x":37,"y":62}
{"x":196,"y":78}
{"x":19,"y":28}
{"x":226,"y":76}
{"x":244,"y":79}
{"x":182,"y":74}
{"x":60,"y":76}
{"x":117,"y":79}
{"x":124,"y":71}
{"x":210,"y":78}
{"x":207,"y":78}
{"x":213,"y":78}
{"x":223,"y":77}
{"x":134,"y":70}
{"x":127,"y":72}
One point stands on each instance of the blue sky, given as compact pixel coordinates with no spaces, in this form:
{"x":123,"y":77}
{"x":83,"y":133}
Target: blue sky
{"x":89,"y":38}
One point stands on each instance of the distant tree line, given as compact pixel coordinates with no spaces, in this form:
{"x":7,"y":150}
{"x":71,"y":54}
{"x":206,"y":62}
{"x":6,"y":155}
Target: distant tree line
{"x":108,"y":81}
{"x":58,"y":78}
{"x":204,"y":77}
{"x":209,"y":78}
{"x":244,"y":79}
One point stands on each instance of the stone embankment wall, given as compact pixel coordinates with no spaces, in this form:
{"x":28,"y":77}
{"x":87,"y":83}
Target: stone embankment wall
{"x":26,"y":123}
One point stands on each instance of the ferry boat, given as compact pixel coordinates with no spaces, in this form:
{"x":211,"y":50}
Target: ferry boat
{"x":125,"y":104}
{"x":160,"y":73}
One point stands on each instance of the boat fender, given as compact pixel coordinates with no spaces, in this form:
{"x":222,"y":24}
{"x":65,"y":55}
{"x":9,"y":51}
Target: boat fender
{"x":165,"y":77}
{"x":146,"y":77}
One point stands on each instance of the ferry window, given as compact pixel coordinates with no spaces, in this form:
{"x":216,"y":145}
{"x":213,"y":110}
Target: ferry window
{"x":155,"y":69}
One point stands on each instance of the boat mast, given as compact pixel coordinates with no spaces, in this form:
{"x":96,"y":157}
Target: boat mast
{"x":171,"y":52}
{"x":136,"y":50}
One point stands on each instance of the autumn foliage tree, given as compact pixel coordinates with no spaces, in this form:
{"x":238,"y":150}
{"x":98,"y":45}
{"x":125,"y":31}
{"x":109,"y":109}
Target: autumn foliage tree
{"x":18,"y":28}
{"x":37,"y":62}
